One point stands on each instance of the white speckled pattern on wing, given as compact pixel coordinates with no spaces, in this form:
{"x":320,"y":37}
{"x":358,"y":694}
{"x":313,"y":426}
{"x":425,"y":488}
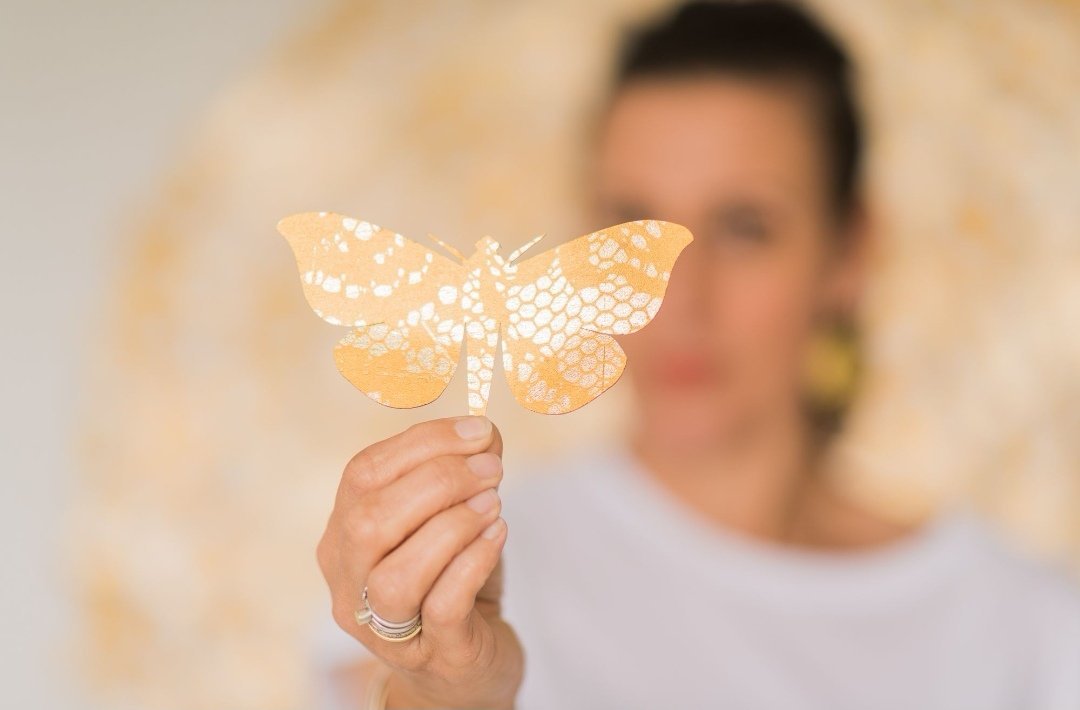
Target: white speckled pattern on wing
{"x":564,"y":305}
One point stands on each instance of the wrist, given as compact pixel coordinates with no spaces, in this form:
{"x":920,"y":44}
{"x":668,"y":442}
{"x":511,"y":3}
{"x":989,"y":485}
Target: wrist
{"x":377,"y":687}
{"x":399,"y":694}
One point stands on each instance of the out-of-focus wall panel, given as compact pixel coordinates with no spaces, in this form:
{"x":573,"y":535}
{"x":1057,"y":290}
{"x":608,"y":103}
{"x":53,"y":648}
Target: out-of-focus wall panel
{"x":220,"y":424}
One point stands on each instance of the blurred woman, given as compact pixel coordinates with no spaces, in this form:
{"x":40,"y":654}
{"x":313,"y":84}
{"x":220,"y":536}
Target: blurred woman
{"x":706,"y":561}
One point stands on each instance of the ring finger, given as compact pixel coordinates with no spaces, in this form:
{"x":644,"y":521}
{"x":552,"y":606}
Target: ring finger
{"x":398,"y":584}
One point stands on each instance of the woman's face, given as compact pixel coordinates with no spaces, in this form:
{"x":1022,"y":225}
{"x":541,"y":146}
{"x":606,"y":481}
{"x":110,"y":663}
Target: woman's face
{"x":740,"y":163}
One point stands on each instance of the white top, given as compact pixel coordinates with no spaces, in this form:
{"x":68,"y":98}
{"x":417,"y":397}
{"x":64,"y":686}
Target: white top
{"x":624,"y":598}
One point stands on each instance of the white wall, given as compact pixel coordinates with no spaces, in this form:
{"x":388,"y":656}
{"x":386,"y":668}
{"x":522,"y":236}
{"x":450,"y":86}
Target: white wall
{"x":94,"y":101}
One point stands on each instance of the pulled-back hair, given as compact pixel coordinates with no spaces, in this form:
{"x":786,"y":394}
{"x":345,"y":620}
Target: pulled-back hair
{"x":768,"y":39}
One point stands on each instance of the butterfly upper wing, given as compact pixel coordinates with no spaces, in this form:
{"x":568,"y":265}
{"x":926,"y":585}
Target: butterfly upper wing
{"x":357,"y":273}
{"x":564,"y":305}
{"x":405,"y":340}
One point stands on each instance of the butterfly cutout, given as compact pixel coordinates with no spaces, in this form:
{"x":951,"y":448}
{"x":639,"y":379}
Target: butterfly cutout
{"x":409,"y":308}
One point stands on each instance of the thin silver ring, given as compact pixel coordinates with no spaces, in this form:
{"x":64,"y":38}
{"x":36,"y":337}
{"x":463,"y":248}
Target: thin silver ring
{"x":388,"y":630}
{"x":389,"y":625}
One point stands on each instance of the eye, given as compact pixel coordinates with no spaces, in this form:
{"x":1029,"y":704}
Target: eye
{"x":743,"y":223}
{"x":617,"y":211}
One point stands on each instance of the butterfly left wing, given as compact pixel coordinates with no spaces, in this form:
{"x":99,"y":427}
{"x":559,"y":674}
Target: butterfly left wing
{"x":564,"y":306}
{"x":406,"y":334}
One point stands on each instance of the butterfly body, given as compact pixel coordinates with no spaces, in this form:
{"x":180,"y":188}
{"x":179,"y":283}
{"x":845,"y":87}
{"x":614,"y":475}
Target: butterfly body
{"x":411,"y":309}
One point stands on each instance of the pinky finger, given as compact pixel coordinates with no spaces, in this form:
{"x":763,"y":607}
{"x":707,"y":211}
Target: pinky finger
{"x":448,"y":606}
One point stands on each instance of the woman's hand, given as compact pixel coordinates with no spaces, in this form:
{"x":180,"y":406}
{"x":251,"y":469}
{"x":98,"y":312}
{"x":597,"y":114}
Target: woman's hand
{"x":416,"y":519}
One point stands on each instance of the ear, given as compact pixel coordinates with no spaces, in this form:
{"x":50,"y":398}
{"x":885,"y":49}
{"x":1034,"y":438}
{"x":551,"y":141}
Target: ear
{"x":853,"y":256}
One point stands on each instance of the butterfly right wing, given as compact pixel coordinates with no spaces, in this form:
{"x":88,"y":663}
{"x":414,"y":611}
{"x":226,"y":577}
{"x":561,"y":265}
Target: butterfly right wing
{"x":552,"y":361}
{"x":565,"y":305}
{"x":406,"y":329}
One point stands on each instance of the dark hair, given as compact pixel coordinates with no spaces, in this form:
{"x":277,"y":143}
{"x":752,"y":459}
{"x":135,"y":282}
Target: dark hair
{"x":766,"y":38}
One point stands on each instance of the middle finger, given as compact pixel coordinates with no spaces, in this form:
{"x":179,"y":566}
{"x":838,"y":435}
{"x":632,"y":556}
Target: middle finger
{"x":386,"y":516}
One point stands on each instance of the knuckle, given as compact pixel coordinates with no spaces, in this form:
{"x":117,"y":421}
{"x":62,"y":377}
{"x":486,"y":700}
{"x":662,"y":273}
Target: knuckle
{"x":420,"y":436}
{"x":343,"y":616}
{"x":365,"y":526}
{"x":388,"y":584}
{"x":324,"y":554}
{"x":361,"y":473}
{"x":446,"y":477}
{"x":472,"y":568}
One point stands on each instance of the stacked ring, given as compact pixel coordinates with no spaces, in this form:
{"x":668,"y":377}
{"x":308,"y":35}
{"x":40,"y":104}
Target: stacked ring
{"x":388,"y":630}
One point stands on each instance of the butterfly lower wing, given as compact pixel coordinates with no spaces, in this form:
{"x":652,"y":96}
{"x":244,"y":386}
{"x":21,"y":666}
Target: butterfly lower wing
{"x":406,"y":331}
{"x":556,"y":380}
{"x":407,"y":364}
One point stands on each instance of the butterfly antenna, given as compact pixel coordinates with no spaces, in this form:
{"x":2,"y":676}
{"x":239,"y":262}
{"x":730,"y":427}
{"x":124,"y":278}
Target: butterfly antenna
{"x":446,"y":246}
{"x":524,"y":247}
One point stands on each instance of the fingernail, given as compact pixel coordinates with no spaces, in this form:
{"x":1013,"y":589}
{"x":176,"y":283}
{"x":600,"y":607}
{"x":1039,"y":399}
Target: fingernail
{"x":482,"y":501}
{"x":492,"y":531}
{"x":472,"y":427}
{"x":485,"y":465}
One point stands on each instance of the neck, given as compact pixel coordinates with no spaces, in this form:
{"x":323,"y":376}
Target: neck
{"x":754,"y":480}
{"x":761,"y":479}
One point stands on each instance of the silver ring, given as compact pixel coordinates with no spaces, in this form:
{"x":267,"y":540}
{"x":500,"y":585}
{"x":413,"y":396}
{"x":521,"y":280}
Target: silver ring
{"x":388,"y":630}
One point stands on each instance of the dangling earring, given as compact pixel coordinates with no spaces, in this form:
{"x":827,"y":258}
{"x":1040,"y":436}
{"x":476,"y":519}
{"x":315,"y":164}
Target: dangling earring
{"x":832,"y":367}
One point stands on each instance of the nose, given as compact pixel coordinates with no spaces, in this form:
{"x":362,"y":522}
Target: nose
{"x":684,"y":299}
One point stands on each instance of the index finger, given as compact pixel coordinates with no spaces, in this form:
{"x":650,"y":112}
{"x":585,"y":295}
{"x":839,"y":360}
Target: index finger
{"x":386,"y":460}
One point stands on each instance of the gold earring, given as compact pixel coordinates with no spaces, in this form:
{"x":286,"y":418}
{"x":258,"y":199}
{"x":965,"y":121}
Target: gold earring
{"x":832,"y":366}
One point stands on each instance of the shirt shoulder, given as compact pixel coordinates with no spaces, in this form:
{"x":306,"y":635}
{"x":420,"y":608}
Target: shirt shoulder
{"x":1004,"y":568}
{"x":1031,"y":604}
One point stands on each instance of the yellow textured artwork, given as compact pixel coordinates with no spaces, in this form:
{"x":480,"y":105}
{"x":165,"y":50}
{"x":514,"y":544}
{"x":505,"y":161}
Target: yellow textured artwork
{"x":409,"y":308}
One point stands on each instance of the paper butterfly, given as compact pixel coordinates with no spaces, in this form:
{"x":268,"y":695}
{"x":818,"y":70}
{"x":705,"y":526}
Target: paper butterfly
{"x":409,"y":308}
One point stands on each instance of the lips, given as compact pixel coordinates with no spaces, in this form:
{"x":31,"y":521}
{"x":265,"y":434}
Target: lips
{"x":684,"y":369}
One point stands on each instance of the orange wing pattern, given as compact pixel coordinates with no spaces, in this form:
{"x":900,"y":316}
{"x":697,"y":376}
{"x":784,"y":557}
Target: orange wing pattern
{"x":397,"y":296}
{"x":563,"y":306}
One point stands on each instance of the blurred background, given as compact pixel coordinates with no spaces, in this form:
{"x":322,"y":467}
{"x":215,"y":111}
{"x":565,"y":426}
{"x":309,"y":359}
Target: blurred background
{"x":175,"y":429}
